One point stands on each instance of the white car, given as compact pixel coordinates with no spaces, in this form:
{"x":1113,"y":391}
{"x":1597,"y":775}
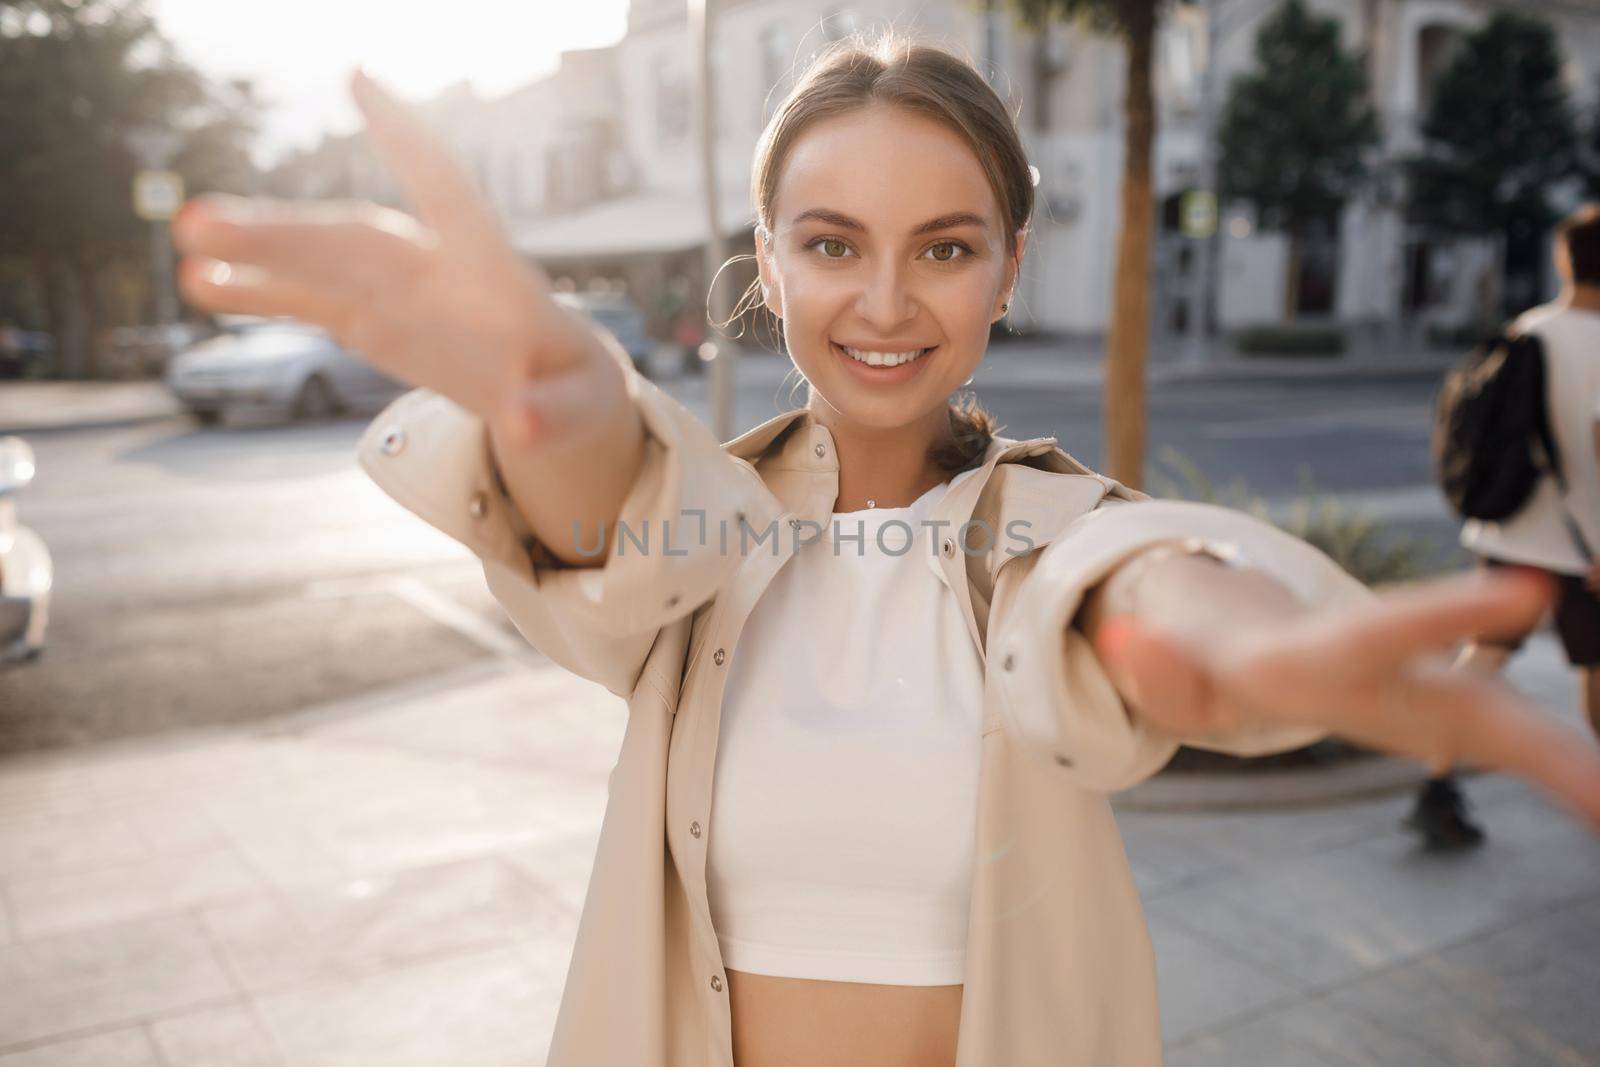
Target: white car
{"x":277,"y":367}
{"x":25,"y":569}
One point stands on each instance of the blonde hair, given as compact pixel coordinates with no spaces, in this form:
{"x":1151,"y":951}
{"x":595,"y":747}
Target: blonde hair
{"x":938,"y":84}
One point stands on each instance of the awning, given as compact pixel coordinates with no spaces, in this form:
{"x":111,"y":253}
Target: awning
{"x":643,"y":224}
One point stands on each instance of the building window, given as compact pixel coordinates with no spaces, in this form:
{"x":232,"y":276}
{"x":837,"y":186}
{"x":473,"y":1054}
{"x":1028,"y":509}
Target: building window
{"x":1180,"y":63}
{"x":672,"y":99}
{"x":1436,"y":46}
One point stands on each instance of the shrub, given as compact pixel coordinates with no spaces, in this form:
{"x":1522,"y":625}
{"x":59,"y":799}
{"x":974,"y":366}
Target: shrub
{"x":1290,"y":341}
{"x":1358,"y":543}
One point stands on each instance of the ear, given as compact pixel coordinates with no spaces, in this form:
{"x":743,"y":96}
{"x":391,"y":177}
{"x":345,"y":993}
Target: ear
{"x":770,"y":295}
{"x":1013,"y":273}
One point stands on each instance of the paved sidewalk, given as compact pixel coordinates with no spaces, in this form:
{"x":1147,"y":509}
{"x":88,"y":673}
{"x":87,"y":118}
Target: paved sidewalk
{"x":396,"y":880}
{"x":32,"y":407}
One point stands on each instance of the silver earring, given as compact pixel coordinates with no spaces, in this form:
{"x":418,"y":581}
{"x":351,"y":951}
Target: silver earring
{"x":1004,"y":308}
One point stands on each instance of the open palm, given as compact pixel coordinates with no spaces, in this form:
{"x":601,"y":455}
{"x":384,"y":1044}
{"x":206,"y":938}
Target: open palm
{"x":1371,"y":674}
{"x":440,"y":300}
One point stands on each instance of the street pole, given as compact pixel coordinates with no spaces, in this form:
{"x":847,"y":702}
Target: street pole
{"x":722,"y":355}
{"x":1198,"y":320}
{"x":157,"y":194}
{"x":165,"y":283}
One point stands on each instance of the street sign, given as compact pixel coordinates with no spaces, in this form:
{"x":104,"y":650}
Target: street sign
{"x":1197,"y":213}
{"x":157,"y":194}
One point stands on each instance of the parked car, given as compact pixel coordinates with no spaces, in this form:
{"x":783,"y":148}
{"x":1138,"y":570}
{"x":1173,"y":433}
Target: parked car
{"x":24,"y":353}
{"x":618,"y":315}
{"x":25,"y":568}
{"x":277,"y":367}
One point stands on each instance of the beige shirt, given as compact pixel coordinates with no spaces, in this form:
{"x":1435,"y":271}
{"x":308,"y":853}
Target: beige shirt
{"x":1538,"y":533}
{"x":1059,"y":967}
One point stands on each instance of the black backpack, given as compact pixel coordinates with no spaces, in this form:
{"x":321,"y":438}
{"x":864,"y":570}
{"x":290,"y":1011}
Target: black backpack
{"x":1491,"y":433}
{"x":1488,"y":417}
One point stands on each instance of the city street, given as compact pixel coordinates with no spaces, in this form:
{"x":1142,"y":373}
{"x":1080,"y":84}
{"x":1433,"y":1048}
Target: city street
{"x":214,"y":575}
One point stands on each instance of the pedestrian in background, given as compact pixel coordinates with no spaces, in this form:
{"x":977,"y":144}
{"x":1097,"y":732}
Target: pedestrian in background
{"x":1541,"y":534}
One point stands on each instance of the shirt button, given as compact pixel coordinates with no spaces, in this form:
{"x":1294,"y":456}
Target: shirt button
{"x":1009,"y":662}
{"x":694,"y":828}
{"x":821,"y":450}
{"x":394,"y":440}
{"x":719,"y":656}
{"x":716,"y":982}
{"x":949,"y":548}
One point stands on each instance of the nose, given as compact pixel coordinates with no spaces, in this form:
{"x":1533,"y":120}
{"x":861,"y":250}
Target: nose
{"x":886,"y":300}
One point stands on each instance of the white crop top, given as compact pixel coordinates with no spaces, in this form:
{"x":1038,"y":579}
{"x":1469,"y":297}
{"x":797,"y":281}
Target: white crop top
{"x":844,"y":806}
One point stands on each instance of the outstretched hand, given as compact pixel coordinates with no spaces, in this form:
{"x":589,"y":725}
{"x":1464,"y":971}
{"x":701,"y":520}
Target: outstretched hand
{"x":1372,"y":675}
{"x":439,"y":300}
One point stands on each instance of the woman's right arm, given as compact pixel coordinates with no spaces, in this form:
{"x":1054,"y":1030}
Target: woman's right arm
{"x":528,"y":423}
{"x":443,"y":301}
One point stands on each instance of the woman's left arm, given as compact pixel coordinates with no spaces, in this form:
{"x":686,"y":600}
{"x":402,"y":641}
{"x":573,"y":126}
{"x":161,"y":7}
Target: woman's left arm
{"x":1268,"y":646}
{"x":1197,"y":567}
{"x":1372,"y":674}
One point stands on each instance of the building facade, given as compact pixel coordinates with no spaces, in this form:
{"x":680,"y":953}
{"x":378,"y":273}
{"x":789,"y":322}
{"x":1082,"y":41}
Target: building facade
{"x":597,"y":170}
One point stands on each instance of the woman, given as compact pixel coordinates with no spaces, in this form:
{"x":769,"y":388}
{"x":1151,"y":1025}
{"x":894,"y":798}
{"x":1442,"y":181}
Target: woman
{"x":910,"y":858}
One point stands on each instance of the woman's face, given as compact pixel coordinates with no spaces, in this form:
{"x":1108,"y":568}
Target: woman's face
{"x":888,"y":239}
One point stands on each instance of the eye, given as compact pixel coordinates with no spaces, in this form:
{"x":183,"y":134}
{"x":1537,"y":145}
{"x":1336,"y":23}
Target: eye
{"x":950,"y":256}
{"x":829,"y":242}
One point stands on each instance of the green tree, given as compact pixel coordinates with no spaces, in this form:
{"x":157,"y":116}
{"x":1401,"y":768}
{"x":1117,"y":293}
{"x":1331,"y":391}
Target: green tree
{"x":1591,"y":148}
{"x":1296,"y":130}
{"x":1133,"y":22}
{"x":1498,"y":137}
{"x":79,"y":79}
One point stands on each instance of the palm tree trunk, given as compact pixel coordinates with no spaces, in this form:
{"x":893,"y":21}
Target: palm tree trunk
{"x":1129,"y":332}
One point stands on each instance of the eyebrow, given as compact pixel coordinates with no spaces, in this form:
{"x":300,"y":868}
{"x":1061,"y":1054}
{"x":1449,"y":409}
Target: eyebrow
{"x":845,"y":222}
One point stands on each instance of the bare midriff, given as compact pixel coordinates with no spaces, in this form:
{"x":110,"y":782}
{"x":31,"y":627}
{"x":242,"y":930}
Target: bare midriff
{"x":801,"y":1022}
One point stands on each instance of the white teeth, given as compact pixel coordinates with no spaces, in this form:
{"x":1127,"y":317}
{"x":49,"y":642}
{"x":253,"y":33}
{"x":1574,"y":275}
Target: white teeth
{"x":883,"y":359}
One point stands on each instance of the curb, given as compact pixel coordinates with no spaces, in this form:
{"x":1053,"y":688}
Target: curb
{"x":55,"y":407}
{"x":1344,"y":783}
{"x":37,"y":429}
{"x":1269,"y":369}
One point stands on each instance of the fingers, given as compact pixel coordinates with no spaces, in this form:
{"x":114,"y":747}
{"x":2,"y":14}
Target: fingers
{"x":359,"y":247}
{"x":1431,"y":616}
{"x":1445,"y":718}
{"x":219,"y":287}
{"x":439,"y":189}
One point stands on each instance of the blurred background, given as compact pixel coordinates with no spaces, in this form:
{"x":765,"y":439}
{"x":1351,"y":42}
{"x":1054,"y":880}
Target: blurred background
{"x":280,"y":785}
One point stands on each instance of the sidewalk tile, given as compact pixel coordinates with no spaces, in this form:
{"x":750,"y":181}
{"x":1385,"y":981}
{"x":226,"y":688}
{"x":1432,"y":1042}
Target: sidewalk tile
{"x":1202,"y":986}
{"x":365,"y":925}
{"x":120,"y":1048}
{"x":1311,"y":1033}
{"x":1526,"y":993}
{"x":106,"y":975}
{"x":1333,"y":916}
{"x":560,"y":866}
{"x":39,"y":845}
{"x":56,"y":903}
{"x":481,"y":1009}
{"x":229,"y":1036}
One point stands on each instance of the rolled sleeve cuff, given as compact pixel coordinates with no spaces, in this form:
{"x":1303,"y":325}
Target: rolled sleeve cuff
{"x":435,"y":459}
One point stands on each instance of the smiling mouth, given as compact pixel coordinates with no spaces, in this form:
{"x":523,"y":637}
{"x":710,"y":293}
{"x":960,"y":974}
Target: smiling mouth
{"x":882,"y":359}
